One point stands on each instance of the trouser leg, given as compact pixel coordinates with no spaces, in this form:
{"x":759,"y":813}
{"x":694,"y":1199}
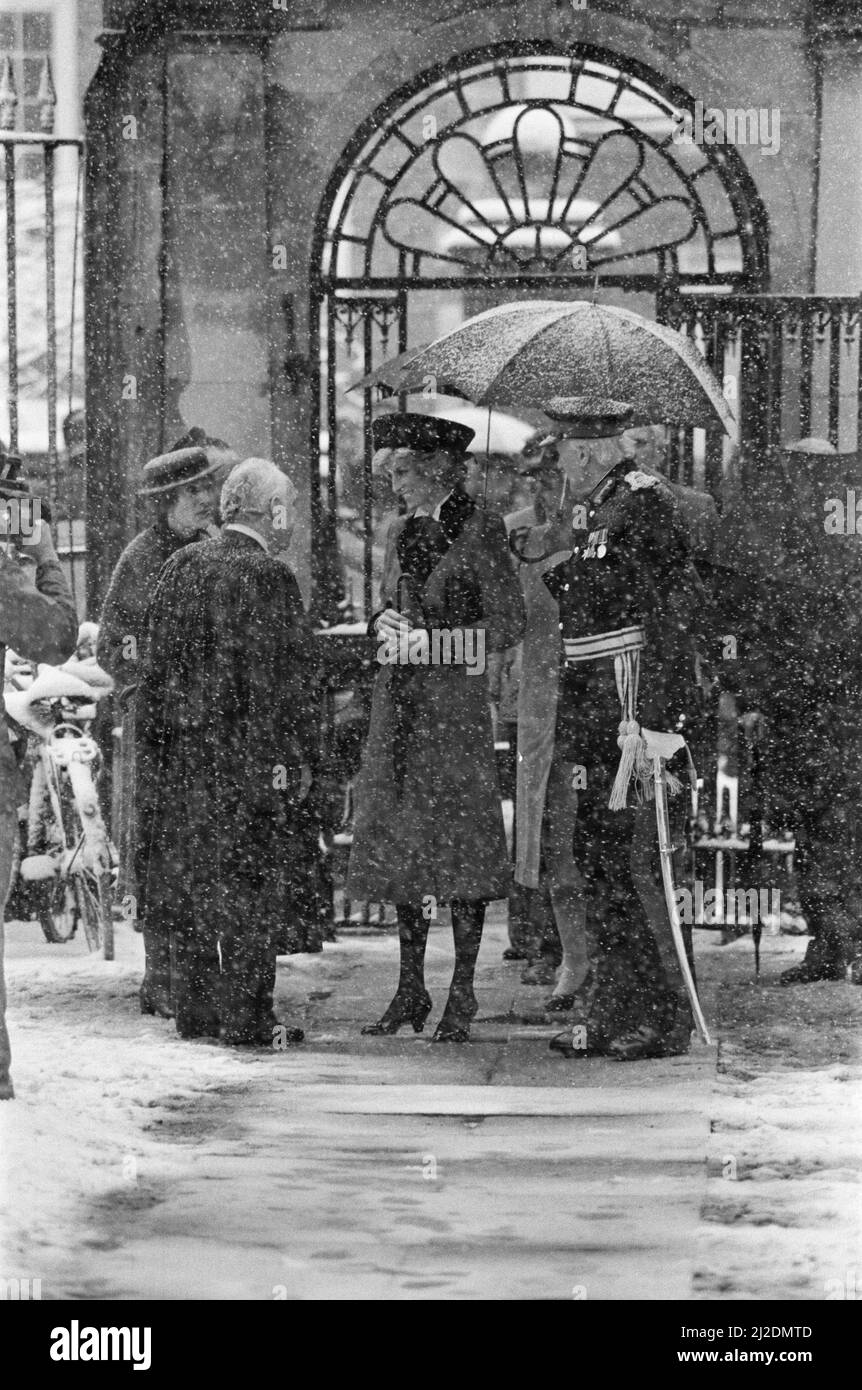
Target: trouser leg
{"x":248,"y":959}
{"x":564,"y":881}
{"x":8,"y":834}
{"x":645,"y":872}
{"x":157,"y":984}
{"x":196,"y":980}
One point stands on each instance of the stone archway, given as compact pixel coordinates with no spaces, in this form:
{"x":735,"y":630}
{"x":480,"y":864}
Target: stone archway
{"x":520,"y":170}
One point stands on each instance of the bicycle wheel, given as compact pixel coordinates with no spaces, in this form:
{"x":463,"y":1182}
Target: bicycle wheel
{"x":60,"y":908}
{"x":94,"y":897}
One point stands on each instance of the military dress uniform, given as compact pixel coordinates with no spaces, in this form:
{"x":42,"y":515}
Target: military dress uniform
{"x":628,"y":599}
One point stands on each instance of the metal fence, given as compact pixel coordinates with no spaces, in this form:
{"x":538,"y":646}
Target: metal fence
{"x":791,"y":367}
{"x":41,"y":220}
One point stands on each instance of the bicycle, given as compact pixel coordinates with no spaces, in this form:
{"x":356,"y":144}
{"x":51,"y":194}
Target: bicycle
{"x":68,"y":849}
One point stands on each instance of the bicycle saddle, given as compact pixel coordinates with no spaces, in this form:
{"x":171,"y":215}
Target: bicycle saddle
{"x":52,"y":682}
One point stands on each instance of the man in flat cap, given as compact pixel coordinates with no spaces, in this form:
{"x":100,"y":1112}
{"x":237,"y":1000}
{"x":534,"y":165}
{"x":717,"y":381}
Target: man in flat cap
{"x":226,"y":735}
{"x":429,"y":825}
{"x":182,"y":485}
{"x":792,"y":597}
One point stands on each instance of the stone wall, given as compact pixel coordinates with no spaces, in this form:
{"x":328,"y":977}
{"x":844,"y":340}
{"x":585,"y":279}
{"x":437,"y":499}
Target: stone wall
{"x":326,"y":67}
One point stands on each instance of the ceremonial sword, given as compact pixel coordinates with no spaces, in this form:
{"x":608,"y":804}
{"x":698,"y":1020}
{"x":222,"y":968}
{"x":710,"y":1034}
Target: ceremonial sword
{"x":659,"y":747}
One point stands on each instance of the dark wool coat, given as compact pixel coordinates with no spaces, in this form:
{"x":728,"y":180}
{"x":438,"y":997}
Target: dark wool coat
{"x":123,"y":618}
{"x":429,"y":818}
{"x":224,"y":719}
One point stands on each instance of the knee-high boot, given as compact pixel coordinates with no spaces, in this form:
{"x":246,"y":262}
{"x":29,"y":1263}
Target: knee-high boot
{"x":412,"y":1002}
{"x":468,"y":918}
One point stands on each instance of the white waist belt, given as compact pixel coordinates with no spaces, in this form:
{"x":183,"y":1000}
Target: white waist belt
{"x":625,"y":646}
{"x":604,"y":644}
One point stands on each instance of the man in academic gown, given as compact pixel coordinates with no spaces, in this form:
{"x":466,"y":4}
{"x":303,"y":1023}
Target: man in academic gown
{"x":226,"y":735}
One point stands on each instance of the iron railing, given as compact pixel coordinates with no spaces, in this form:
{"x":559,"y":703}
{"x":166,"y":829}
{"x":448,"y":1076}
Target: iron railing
{"x":23,"y":153}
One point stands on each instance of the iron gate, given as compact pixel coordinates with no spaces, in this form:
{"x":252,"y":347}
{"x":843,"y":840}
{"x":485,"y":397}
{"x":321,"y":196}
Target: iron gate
{"x":522,"y":173}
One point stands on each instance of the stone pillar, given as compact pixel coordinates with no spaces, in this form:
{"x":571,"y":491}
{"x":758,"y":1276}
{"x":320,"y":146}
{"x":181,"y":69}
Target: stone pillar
{"x":839,"y":199}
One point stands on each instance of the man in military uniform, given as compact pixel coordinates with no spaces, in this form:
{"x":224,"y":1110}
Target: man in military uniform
{"x":629,"y":601}
{"x":792,"y":597}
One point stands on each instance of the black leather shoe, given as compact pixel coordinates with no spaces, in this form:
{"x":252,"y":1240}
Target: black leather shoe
{"x":562,"y":1003}
{"x":198,"y":1028}
{"x":559,"y":1003}
{"x":273,"y":1035}
{"x":156,"y":999}
{"x":567,"y":1045}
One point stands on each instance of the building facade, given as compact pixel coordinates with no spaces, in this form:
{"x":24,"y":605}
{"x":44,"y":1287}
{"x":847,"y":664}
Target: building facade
{"x":281,"y":193}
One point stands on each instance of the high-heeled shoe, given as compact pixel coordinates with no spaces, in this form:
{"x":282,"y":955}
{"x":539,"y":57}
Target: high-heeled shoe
{"x":459,"y":1013}
{"x":405,"y":1008}
{"x":579,"y":998}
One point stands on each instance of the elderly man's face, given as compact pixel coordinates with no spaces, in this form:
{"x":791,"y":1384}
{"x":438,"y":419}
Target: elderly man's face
{"x":643,"y":447}
{"x":283,"y":515}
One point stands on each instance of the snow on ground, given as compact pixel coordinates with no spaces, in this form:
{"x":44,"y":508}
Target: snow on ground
{"x":784,"y":1199}
{"x":100,"y":1088}
{"x":93,"y":1079}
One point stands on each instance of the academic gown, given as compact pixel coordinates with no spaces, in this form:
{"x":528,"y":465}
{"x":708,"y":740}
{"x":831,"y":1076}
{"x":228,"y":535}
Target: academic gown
{"x":224,"y":719}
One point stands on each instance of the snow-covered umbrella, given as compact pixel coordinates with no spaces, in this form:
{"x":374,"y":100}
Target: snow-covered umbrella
{"x":523,"y":354}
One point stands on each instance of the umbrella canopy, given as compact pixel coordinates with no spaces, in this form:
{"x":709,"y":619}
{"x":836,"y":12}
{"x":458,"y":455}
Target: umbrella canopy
{"x":527,"y":352}
{"x":508,"y":435}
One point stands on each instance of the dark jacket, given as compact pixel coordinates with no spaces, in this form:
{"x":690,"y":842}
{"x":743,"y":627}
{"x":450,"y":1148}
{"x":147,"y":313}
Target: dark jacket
{"x":428,"y":818}
{"x":632,"y":566}
{"x":125,"y":606}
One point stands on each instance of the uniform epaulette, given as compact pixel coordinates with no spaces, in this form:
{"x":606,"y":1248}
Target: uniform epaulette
{"x":637,"y":480}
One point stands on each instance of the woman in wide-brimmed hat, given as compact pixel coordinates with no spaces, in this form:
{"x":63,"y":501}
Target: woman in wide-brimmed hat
{"x":429,"y":825}
{"x":182,"y":484}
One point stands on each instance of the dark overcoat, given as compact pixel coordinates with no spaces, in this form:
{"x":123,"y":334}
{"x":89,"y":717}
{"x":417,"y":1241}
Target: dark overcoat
{"x":122,"y":629}
{"x":429,"y":818}
{"x":224,"y":720}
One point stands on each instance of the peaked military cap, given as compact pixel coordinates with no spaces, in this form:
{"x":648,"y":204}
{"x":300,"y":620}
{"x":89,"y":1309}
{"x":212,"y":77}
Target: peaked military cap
{"x":424,"y":433}
{"x":589,"y":417}
{"x":176,"y":469}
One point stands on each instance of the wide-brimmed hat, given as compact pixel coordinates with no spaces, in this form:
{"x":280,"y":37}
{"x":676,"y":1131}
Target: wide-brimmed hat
{"x":582,"y":417}
{"x":424,"y":433}
{"x":177,"y":469}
